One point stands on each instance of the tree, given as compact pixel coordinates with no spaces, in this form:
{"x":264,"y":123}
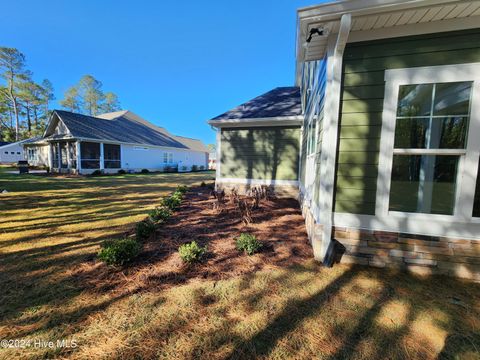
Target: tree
{"x":71,"y":100}
{"x":111,"y":103}
{"x":12,"y":65}
{"x":90,"y":90}
{"x":48,"y":95}
{"x":87,"y":97}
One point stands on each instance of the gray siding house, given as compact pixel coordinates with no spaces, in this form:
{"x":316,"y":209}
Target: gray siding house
{"x":81,"y":144}
{"x":387,"y":119}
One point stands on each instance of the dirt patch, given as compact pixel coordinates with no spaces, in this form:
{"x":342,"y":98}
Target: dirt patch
{"x":278,"y":224}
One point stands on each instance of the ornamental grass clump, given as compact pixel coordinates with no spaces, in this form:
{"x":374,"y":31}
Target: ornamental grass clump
{"x":160,"y":213}
{"x":144,"y":229}
{"x":192,"y":252}
{"x":119,"y":252}
{"x":248,"y":243}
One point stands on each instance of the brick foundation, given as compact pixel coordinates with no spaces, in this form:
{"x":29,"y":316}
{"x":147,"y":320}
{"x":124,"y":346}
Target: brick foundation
{"x":419,"y":254}
{"x":416,"y":253}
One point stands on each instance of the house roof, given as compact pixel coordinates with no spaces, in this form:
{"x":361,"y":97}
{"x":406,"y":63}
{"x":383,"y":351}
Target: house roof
{"x":122,"y":126}
{"x":279,"y":102}
{"x":3,"y":143}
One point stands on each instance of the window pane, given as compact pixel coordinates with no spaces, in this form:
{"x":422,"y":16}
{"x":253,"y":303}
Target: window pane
{"x":410,"y":133}
{"x":415,"y":100}
{"x":437,"y":133}
{"x":449,"y":132}
{"x":423,"y":183}
{"x":452,"y":98}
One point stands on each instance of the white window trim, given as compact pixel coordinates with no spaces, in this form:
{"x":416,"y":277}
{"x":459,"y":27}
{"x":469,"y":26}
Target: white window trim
{"x":468,"y":165}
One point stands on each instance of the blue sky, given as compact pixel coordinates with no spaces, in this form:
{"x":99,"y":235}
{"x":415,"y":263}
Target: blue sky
{"x":176,"y":64}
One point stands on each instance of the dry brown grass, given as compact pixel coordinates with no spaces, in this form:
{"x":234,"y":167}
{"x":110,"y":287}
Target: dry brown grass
{"x":304,"y":311}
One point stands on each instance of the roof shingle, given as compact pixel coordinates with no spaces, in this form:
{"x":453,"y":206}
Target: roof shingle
{"x":279,"y":102}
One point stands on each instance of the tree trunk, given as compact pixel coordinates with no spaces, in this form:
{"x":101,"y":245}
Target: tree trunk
{"x":29,"y":121}
{"x":13,"y":99}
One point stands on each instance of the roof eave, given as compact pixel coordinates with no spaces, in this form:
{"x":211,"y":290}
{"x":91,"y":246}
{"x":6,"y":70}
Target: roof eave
{"x":295,"y":120}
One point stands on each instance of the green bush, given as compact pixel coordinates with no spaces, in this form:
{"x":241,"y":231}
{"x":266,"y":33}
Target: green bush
{"x":192,"y":252}
{"x":160,"y":213}
{"x":248,"y":243}
{"x":203,"y":184}
{"x":202,"y":167}
{"x":173,"y":201}
{"x":97,"y":173}
{"x":194,"y":168}
{"x":121,"y":172}
{"x":145,"y":171}
{"x":184,"y":168}
{"x":144,"y":229}
{"x":182,"y":189}
{"x":119,"y":252}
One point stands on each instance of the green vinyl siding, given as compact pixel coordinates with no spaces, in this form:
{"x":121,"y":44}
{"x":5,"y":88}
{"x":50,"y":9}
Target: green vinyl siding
{"x":263,"y":153}
{"x":303,"y":156}
{"x":362,"y":104}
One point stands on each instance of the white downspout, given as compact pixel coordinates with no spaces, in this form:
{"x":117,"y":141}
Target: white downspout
{"x":328,"y":159}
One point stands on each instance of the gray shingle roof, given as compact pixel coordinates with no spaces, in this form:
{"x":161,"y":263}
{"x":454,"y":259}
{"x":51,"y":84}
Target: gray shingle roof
{"x":121,"y":129}
{"x":279,"y":102}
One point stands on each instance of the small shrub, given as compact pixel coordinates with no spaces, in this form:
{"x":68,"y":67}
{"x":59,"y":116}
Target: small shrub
{"x":248,"y":243}
{"x":184,"y":168}
{"x":194,"y":168}
{"x":121,"y":172}
{"x":160,"y":213}
{"x":203,"y":184}
{"x":145,"y":171}
{"x":202,"y":167}
{"x":144,"y":229}
{"x":182,"y":189}
{"x":97,"y":173}
{"x":192,"y":252}
{"x":119,"y":252}
{"x":173,"y":201}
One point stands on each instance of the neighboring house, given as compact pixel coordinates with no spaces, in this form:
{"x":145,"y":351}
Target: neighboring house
{"x":212,"y":160}
{"x":389,"y":134}
{"x":11,"y":152}
{"x":76,"y":143}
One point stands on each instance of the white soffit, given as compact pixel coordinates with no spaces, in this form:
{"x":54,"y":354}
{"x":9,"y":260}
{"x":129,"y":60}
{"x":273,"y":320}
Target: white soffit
{"x":377,"y":19}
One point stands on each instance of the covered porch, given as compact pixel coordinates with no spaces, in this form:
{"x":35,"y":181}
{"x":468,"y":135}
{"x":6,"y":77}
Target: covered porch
{"x":73,"y":156}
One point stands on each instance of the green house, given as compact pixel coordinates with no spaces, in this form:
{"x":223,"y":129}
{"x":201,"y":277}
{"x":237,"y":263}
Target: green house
{"x":379,"y":138}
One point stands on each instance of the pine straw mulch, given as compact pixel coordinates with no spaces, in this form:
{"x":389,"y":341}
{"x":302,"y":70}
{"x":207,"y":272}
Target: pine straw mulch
{"x":278,"y":224}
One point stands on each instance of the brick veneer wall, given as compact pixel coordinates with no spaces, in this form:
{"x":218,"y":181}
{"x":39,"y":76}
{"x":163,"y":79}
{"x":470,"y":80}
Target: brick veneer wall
{"x":419,"y":254}
{"x":416,"y":253}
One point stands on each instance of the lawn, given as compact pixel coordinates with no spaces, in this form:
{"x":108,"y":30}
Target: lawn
{"x":50,"y":231}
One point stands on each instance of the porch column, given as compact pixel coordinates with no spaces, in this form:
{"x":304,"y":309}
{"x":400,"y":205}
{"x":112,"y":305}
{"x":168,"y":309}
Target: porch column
{"x":59,"y":157}
{"x":102,"y":165}
{"x":69,"y":155}
{"x":50,"y":156}
{"x":79,"y":158}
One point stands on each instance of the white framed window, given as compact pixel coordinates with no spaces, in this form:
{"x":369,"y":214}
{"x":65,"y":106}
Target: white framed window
{"x":430,"y":143}
{"x":32,"y":154}
{"x":168,"y":158}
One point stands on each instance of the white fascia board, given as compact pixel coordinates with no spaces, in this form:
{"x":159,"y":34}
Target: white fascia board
{"x":271,"y":121}
{"x":334,"y":10}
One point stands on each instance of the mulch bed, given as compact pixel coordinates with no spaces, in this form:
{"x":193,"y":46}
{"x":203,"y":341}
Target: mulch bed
{"x":278,"y":224}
